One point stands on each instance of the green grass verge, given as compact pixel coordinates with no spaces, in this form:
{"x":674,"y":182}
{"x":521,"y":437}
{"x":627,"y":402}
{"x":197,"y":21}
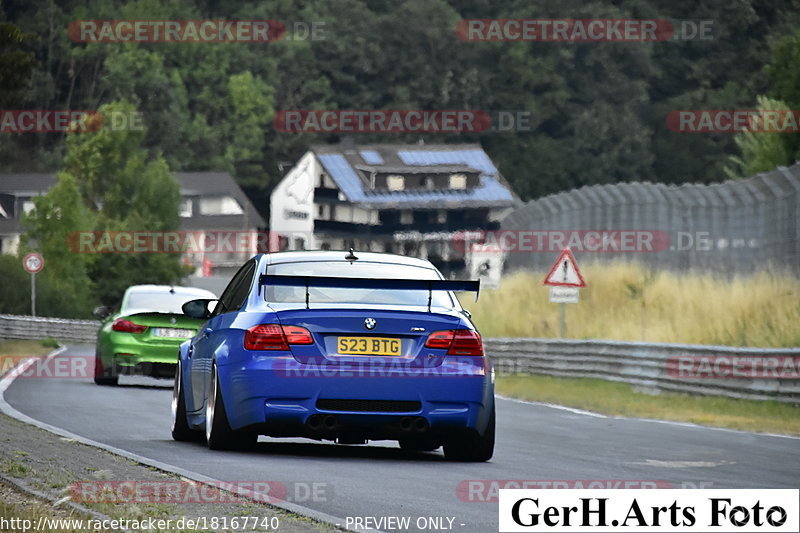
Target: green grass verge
{"x":27,"y":348}
{"x":12,"y":351}
{"x":621,"y":399}
{"x":29,"y":513}
{"x":628,"y":302}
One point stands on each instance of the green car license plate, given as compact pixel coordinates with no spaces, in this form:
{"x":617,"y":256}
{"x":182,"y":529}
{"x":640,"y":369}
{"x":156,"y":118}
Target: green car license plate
{"x":173,"y":333}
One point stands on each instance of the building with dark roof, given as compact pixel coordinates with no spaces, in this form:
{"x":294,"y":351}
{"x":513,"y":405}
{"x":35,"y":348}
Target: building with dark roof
{"x":407,"y":199}
{"x":210,"y":201}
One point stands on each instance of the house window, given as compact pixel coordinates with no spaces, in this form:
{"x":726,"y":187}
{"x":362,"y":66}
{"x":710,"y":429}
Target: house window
{"x":186,"y":208}
{"x":406,"y":217}
{"x":28,"y":206}
{"x":458,"y":181}
{"x":395,"y":183}
{"x":220,"y":205}
{"x":321,"y":212}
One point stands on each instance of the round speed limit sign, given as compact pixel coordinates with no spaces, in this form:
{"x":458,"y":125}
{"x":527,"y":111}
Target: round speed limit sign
{"x":33,"y":263}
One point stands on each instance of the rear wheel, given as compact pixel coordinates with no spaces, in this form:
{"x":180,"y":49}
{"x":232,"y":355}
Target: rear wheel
{"x":473,"y":448}
{"x":180,"y":426}
{"x":103,"y":375}
{"x":219,"y":435}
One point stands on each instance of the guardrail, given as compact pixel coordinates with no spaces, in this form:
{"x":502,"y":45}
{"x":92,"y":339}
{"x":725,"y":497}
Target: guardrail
{"x":655,"y":367}
{"x":61,"y":329}
{"x":650,"y":367}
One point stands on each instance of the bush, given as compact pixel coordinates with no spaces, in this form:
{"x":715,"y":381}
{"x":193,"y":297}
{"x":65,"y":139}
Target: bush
{"x":55,"y":296}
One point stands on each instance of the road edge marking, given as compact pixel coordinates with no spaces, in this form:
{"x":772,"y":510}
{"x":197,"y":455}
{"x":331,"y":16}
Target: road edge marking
{"x":654,"y":420}
{"x":7,"y":409}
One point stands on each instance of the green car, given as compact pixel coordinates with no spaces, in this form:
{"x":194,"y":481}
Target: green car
{"x":142,"y":338}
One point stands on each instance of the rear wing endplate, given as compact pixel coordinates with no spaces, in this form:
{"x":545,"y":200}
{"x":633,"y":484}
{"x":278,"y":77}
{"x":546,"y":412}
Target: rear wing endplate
{"x":372,"y":283}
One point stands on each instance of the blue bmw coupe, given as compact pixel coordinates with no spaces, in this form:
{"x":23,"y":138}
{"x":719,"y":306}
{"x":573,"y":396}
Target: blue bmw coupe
{"x":340,"y":346}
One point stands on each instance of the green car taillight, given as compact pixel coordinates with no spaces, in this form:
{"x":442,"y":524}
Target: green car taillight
{"x":126,"y":326}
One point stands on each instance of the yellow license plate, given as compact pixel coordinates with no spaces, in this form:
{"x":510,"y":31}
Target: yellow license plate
{"x":368,"y":346}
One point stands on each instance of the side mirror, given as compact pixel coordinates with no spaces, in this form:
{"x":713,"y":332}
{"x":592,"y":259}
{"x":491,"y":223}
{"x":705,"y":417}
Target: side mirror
{"x":197,"y":308}
{"x":102,"y":312}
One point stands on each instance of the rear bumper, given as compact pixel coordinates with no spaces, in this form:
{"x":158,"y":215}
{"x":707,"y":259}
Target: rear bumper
{"x":275,"y":395}
{"x":125,"y":350}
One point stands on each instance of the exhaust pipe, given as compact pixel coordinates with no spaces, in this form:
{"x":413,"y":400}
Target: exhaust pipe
{"x":406,"y":423}
{"x":314,"y":421}
{"x":420,"y":424}
{"x":330,"y":422}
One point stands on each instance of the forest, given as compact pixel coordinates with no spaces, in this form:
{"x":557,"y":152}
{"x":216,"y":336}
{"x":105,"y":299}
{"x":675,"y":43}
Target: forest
{"x":597,"y":111}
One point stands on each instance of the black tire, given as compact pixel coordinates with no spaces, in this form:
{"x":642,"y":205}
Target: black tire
{"x":180,"y":425}
{"x":102,"y":375}
{"x":219,"y":435}
{"x":419,"y":445}
{"x":472,"y":448}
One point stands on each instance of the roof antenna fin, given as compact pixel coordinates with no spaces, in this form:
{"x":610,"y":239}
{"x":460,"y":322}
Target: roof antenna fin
{"x":351,"y":256}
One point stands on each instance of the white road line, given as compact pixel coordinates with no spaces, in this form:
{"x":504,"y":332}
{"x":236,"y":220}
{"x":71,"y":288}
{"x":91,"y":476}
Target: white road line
{"x":653,"y":420}
{"x":6,"y":408}
{"x":9,"y":378}
{"x":552,"y":406}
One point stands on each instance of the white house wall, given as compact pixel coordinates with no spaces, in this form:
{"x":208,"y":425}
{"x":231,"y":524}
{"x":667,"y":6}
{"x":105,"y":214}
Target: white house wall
{"x":292,"y":202}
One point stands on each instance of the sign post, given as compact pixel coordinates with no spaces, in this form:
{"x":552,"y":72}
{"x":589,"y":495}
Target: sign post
{"x":564,"y":280}
{"x":33,"y":263}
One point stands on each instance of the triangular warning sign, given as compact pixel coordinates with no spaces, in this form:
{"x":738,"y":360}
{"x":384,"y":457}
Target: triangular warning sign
{"x":565,"y":272}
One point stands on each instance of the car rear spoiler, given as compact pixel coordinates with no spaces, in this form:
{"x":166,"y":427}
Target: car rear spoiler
{"x":372,"y":283}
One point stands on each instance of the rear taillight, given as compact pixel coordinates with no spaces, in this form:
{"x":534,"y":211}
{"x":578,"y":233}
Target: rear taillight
{"x":265,"y":337}
{"x":275,"y":337}
{"x":297,"y":335}
{"x":466,"y":342}
{"x":457,"y":342}
{"x":440,"y":339}
{"x":126,"y":326}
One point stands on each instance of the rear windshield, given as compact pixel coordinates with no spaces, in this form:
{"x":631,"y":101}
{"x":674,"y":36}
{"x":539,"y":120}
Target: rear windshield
{"x":281,"y":294}
{"x":158,"y":302}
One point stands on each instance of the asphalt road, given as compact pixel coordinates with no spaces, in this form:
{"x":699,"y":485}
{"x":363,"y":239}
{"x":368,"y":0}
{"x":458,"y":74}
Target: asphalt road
{"x":535,"y":442}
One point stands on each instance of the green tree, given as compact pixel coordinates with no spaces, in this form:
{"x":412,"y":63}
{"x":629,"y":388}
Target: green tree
{"x":16,"y":65}
{"x":14,"y":291}
{"x":253,"y":108}
{"x":52,"y":229}
{"x":761,"y":151}
{"x":109,"y":183}
{"x":784,"y":74}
